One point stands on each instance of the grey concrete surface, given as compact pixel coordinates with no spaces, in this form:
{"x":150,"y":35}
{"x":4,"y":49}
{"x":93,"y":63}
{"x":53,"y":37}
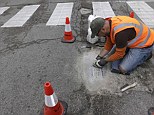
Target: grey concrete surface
{"x":34,"y":54}
{"x":18,"y":2}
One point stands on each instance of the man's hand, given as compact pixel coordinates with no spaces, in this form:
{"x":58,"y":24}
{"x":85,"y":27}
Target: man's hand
{"x":100,"y":63}
{"x":99,"y":57}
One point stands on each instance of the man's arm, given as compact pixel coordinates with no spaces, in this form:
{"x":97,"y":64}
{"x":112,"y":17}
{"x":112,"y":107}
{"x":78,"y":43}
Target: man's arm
{"x":103,"y":52}
{"x":108,"y":46}
{"x":121,"y":40}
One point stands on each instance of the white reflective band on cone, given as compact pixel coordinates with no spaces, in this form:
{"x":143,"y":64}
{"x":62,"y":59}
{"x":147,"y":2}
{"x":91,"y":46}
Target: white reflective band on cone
{"x":67,"y":28}
{"x":51,"y":100}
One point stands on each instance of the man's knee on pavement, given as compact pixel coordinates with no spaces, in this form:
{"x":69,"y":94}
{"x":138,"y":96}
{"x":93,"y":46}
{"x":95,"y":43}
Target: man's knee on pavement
{"x":122,"y":70}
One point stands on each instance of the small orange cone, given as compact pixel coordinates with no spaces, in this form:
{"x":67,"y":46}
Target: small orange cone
{"x":52,"y":105}
{"x":68,"y":37}
{"x":131,"y":14}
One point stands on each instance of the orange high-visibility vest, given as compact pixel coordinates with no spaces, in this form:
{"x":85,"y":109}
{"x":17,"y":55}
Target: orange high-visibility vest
{"x":144,"y":35}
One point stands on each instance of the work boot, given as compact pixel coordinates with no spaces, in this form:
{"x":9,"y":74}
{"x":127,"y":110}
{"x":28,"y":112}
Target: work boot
{"x":117,"y":71}
{"x":150,"y":56}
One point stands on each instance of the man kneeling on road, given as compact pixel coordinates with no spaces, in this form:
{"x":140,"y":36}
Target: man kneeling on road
{"x":131,"y":39}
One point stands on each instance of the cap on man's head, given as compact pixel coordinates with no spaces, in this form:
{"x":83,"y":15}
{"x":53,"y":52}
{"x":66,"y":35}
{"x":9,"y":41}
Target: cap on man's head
{"x":96,"y":26}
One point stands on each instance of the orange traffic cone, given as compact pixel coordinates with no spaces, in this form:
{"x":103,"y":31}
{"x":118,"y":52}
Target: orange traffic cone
{"x":68,"y":37}
{"x":131,"y":14}
{"x":52,"y":105}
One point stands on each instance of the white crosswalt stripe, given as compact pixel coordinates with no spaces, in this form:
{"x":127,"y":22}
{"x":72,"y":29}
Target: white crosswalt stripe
{"x":60,"y":13}
{"x":3,"y":9}
{"x":21,"y":17}
{"x":102,"y":9}
{"x":143,"y":11}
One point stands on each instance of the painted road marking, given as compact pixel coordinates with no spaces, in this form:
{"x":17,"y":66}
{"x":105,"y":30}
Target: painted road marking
{"x":90,"y":74}
{"x":96,"y":79}
{"x":143,"y":11}
{"x":137,"y":0}
{"x":63,"y":10}
{"x":60,"y":13}
{"x":3,"y":9}
{"x":102,"y":9}
{"x":21,"y":17}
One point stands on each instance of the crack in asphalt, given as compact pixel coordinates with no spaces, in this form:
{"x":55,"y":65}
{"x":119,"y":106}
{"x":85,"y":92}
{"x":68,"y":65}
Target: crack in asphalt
{"x":23,"y":45}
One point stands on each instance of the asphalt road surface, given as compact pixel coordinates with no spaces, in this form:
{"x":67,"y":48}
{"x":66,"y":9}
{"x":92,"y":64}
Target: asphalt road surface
{"x":33,"y":53}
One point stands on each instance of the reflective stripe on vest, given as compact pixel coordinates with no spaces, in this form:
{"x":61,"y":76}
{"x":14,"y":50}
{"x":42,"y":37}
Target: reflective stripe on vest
{"x":140,"y":27}
{"x":144,"y":42}
{"x":51,"y":100}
